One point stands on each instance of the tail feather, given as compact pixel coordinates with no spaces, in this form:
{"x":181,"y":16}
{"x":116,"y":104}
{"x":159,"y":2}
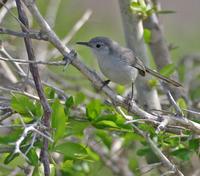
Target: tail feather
{"x":156,"y":74}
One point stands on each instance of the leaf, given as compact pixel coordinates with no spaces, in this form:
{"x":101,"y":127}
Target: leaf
{"x":182,"y":153}
{"x":68,"y":104}
{"x":67,"y":165}
{"x":147,"y":35}
{"x":152,"y":83}
{"x":106,"y":123}
{"x":93,"y":109}
{"x":58,"y":119}
{"x":23,"y":105}
{"x":33,"y":158}
{"x":79,"y":98}
{"x":10,"y":157}
{"x":147,"y":127}
{"x":168,"y":70}
{"x":49,"y":92}
{"x":143,"y":151}
{"x":181,"y":103}
{"x":71,"y":150}
{"x":12,"y":137}
{"x":105,"y":137}
{"x":194,"y":144}
{"x":76,"y":127}
{"x":120,"y":89}
{"x":129,"y":138}
{"x":37,"y":171}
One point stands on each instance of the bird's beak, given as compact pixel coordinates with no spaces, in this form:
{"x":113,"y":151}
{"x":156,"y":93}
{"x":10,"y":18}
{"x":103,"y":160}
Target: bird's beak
{"x":84,"y":43}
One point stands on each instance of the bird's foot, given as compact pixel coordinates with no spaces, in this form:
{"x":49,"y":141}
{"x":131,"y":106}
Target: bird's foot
{"x":129,"y":101}
{"x":105,"y":83}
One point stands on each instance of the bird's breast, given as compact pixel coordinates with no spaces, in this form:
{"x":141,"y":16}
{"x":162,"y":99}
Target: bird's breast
{"x":117,"y":71}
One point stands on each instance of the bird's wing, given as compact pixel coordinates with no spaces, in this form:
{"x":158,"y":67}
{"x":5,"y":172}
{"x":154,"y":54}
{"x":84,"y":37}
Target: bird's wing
{"x":129,"y":57}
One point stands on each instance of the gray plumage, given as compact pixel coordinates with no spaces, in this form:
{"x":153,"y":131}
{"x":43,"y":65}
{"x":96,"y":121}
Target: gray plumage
{"x":120,"y":64}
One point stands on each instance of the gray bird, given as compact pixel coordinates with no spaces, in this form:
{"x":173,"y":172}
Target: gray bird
{"x":120,"y":64}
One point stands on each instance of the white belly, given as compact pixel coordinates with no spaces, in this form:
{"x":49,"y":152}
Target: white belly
{"x":116,"y":71}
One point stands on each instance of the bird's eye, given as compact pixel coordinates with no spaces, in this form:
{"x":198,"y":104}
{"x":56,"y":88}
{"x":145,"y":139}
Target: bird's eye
{"x":98,"y":45}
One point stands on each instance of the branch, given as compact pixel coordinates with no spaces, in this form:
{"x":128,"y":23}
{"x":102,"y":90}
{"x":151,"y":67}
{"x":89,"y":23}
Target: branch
{"x":31,"y":34}
{"x":34,"y":62}
{"x":159,"y":48}
{"x":36,"y":77}
{"x":133,"y":30}
{"x":9,"y":5}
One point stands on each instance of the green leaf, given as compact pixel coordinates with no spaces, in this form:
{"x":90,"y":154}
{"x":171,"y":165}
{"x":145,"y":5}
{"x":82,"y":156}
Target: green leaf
{"x":71,"y":150}
{"x":12,"y":137}
{"x":23,"y":105}
{"x":147,"y":127}
{"x":38,"y":171}
{"x":105,"y":137}
{"x":76,"y":127}
{"x":10,"y":157}
{"x":194,"y":144}
{"x":33,"y":158}
{"x":147,"y":35}
{"x":120,"y":89}
{"x":49,"y":92}
{"x":181,"y":103}
{"x":129,"y":138}
{"x":168,"y":70}
{"x":143,"y":151}
{"x":152,"y":83}
{"x":182,"y":153}
{"x":58,"y":119}
{"x":79,"y":98}
{"x":67,"y":165}
{"x":38,"y":110}
{"x":93,"y":109}
{"x":106,"y":123}
{"x":69,"y":102}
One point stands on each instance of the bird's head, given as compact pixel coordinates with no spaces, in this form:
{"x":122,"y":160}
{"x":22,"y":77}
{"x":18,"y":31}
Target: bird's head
{"x":99,"y":45}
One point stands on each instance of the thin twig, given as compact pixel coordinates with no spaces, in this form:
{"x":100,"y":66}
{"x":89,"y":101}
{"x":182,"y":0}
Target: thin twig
{"x":175,"y":105}
{"x":33,"y":62}
{"x":10,"y":4}
{"x":11,"y":91}
{"x":33,"y":35}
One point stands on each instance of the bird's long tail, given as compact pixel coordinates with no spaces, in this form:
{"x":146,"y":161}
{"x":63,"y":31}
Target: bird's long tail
{"x":168,"y":80}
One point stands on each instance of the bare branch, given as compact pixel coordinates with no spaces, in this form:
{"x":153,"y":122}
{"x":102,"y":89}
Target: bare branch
{"x":159,"y":48}
{"x":11,"y":91}
{"x":133,"y":31}
{"x":36,"y":77}
{"x":31,"y":34}
{"x":9,"y":5}
{"x":34,"y":62}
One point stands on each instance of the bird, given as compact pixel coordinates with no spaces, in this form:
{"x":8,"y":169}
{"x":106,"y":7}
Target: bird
{"x":120,"y":64}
